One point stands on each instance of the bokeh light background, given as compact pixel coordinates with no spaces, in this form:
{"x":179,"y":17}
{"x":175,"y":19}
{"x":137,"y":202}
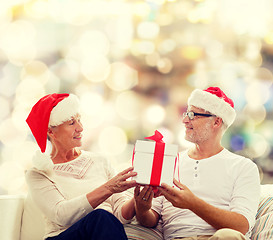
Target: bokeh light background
{"x":133,"y":65}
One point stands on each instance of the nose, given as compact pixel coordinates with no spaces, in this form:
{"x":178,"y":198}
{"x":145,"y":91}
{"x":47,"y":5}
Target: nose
{"x":79,"y":127}
{"x":185,"y":119}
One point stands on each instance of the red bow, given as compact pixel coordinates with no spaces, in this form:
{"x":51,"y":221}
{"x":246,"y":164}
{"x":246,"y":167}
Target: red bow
{"x":157,"y":137}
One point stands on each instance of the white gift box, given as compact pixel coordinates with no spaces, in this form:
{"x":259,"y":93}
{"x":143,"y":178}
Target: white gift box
{"x":144,"y":165}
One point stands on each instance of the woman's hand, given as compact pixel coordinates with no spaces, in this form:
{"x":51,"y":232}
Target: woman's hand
{"x":143,"y":203}
{"x":119,"y":183}
{"x":143,"y":198}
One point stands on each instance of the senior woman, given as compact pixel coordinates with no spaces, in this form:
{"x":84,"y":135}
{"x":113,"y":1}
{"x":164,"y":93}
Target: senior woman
{"x":77,"y":191}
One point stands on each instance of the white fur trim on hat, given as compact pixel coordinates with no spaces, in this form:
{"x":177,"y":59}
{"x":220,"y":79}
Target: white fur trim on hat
{"x":42,"y":162}
{"x":213,"y":104}
{"x":64,"y":110}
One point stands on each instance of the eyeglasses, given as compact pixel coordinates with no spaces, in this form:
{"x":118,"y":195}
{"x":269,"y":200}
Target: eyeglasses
{"x":191,"y":115}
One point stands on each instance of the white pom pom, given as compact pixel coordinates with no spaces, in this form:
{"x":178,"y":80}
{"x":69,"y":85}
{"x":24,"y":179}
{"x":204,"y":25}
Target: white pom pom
{"x":42,"y":161}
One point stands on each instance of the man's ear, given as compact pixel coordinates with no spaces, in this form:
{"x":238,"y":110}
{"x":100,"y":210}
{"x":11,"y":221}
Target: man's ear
{"x":218,"y":122}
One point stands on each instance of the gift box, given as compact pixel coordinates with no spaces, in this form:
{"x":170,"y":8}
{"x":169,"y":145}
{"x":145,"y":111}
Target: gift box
{"x":154,"y":161}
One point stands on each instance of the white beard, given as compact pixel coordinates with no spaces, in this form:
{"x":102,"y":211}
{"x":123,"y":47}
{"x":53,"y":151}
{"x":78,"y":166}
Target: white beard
{"x":198,"y":137}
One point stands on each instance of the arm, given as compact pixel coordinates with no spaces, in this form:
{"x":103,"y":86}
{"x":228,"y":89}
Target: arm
{"x":115,"y":185}
{"x":218,"y":218}
{"x":53,"y":203}
{"x":123,"y":207}
{"x":143,"y":203}
{"x":128,"y":209}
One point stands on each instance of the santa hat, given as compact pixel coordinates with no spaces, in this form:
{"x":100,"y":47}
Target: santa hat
{"x":51,"y":110}
{"x":215,"y":101}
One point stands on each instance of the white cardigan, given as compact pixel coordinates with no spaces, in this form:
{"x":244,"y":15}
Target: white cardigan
{"x":59,"y":190}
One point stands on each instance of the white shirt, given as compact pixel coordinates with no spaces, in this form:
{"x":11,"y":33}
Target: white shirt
{"x":225,"y":180}
{"x":60,"y":192}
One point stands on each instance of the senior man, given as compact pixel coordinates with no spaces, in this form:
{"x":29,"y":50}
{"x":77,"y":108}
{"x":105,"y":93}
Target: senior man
{"x":216,"y":192}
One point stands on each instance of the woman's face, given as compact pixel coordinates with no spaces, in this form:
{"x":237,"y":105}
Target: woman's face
{"x":67,"y":135}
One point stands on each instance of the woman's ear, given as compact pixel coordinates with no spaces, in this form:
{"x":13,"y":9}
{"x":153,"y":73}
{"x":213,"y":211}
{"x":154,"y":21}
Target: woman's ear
{"x":49,"y":132}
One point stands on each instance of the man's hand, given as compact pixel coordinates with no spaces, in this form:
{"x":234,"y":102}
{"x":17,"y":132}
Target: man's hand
{"x":182,"y":198}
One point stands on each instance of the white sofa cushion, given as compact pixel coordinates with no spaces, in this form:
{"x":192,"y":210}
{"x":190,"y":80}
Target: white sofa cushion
{"x":11,"y":209}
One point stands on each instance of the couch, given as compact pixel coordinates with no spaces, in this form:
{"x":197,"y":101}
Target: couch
{"x":20,"y":219}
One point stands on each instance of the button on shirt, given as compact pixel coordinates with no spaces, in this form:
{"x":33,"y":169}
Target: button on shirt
{"x":225,"y":180}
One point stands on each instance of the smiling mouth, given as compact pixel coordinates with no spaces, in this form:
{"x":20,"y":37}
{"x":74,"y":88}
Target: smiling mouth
{"x":78,"y":137}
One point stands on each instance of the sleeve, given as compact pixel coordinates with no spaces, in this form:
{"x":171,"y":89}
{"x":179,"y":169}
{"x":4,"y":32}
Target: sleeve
{"x":157,"y":204}
{"x":118,"y":199}
{"x":246,"y":193}
{"x":53,"y":203}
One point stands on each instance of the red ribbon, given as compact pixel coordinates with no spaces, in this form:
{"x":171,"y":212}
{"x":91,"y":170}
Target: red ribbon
{"x":158,"y":158}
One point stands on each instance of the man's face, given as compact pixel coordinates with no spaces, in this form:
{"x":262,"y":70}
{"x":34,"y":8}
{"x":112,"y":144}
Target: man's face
{"x":199,"y":129}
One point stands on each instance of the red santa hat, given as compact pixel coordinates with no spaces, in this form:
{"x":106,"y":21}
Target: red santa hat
{"x":51,"y":110}
{"x":215,"y":101}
